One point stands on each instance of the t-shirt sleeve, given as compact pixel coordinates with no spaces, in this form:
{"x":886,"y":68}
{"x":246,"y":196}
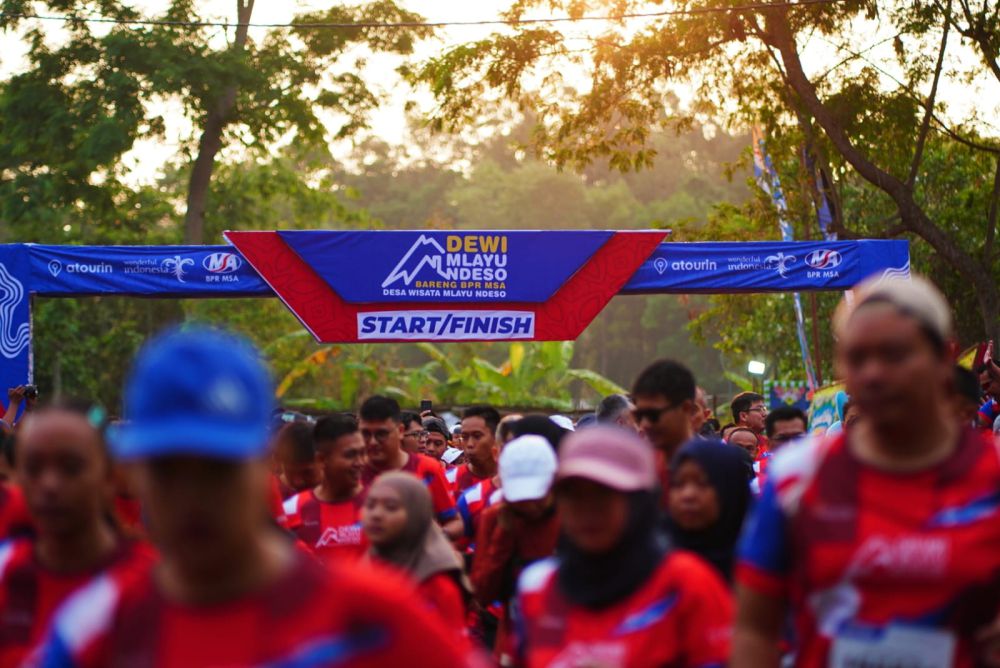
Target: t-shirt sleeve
{"x":444,"y":504}
{"x":988,"y":413}
{"x":764,"y":546}
{"x":706,"y":605}
{"x":79,"y":634}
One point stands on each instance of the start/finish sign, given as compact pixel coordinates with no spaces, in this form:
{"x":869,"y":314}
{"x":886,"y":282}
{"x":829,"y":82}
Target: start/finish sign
{"x":446,"y":286}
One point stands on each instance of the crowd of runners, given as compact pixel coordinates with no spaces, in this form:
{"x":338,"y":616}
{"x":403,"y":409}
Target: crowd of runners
{"x":206,"y":527}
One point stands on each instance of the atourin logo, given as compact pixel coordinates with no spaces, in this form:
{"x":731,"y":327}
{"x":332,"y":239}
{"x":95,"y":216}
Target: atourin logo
{"x":433,"y":260}
{"x":824,"y":259}
{"x":55,"y":266}
{"x":175,"y":265}
{"x":222,"y":263}
{"x":12,"y":341}
{"x":780,"y":262}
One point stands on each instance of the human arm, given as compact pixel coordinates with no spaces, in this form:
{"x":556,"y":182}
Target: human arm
{"x":757,"y":636}
{"x":15,"y":396}
{"x":494,"y":550}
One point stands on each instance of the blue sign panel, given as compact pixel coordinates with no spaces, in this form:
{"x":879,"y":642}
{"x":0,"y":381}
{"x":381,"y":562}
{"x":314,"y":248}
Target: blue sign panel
{"x":15,"y":319}
{"x":487,"y":266}
{"x":192,"y":271}
{"x":778,"y":266}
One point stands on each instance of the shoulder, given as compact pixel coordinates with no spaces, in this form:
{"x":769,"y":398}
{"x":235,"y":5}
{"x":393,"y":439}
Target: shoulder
{"x":87,"y":616}
{"x":794,"y":468}
{"x":294,"y":503}
{"x":426,"y":465}
{"x":473,"y":494}
{"x":14,"y":553}
{"x":536,"y":577}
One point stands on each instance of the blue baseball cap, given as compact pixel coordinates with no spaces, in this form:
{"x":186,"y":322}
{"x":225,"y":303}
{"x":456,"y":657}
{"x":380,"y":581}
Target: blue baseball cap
{"x":196,"y":392}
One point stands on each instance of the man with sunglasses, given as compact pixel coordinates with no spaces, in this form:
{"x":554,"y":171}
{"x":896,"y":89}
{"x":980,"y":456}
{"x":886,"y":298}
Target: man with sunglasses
{"x":664,"y":397}
{"x":382,"y":430}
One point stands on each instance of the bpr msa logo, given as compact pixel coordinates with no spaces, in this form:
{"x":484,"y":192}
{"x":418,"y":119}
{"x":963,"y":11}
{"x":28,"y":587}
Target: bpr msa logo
{"x":824,"y":259}
{"x":222,"y":263}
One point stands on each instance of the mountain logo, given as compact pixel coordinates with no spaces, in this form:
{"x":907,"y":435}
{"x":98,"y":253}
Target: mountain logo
{"x":425,"y":251}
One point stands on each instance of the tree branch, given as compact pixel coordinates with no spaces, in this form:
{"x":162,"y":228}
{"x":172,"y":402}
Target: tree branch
{"x":911,"y":214}
{"x":925,"y":124}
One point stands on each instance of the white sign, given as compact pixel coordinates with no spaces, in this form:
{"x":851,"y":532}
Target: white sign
{"x":447,"y":325}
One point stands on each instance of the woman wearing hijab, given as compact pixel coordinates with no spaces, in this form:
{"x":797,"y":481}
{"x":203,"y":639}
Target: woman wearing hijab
{"x":709,"y":497}
{"x":398,"y":520}
{"x":616,"y":594}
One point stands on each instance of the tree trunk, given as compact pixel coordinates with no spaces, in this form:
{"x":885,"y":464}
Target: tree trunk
{"x":978,"y":273}
{"x":216,"y":120}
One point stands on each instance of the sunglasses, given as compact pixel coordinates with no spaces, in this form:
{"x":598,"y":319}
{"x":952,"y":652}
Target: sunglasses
{"x":650,"y":414}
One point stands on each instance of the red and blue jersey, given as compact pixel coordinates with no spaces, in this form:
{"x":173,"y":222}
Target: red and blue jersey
{"x":988,"y":413}
{"x":312,"y":616}
{"x":30,"y":593}
{"x":681,"y":616}
{"x":902,"y":567}
{"x":329,"y":530}
{"x":462,"y":478}
{"x":471,"y":503}
{"x":430,"y":471}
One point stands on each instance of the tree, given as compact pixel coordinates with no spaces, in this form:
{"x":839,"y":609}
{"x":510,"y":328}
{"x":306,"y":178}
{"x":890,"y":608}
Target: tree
{"x":872,"y":134}
{"x":67,"y":121}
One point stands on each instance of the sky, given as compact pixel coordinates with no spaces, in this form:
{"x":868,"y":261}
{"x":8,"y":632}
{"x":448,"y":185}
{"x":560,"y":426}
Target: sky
{"x":388,"y":122}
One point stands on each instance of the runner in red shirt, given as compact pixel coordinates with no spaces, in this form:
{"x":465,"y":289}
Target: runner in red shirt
{"x":67,"y":481}
{"x":327,"y":519}
{"x":479,"y":426}
{"x":399,"y":523}
{"x":616,"y":595}
{"x":382,"y":433}
{"x":230,"y":590}
{"x":884,"y":540}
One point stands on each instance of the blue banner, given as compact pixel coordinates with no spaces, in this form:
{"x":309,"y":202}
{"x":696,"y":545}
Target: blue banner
{"x":181,"y":271}
{"x":787,"y":393}
{"x":768,"y":266}
{"x":15,"y":320}
{"x":393,"y":266}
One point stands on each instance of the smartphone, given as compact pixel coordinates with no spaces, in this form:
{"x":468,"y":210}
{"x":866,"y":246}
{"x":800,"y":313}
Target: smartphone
{"x":426,"y":405}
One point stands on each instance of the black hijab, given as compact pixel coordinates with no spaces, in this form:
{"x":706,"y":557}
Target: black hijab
{"x":597,"y":581}
{"x":729,"y":470}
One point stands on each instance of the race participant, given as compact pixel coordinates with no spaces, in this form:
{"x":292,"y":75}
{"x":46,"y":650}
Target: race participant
{"x":398,"y":522}
{"x":884,"y":540}
{"x":414,"y":434}
{"x":327,"y":518}
{"x":438,"y":438}
{"x":709,"y":498}
{"x":702,"y":413}
{"x":616,"y":595}
{"x":616,"y":409}
{"x":664,"y":405}
{"x":382,"y":433}
{"x":479,"y":426}
{"x":514,"y":532}
{"x":784,"y":425}
{"x":296,"y":454}
{"x":68,"y":483}
{"x":14,"y":517}
{"x":230,"y":589}
{"x":749,"y":411}
{"x":746,"y":440}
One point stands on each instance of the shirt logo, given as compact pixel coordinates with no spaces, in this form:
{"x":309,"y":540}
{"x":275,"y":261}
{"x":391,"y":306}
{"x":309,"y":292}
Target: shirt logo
{"x":344,"y":535}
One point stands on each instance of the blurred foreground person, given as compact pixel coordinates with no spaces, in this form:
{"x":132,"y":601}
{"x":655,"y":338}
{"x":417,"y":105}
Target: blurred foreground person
{"x":68,"y":483}
{"x":709,"y":498}
{"x":516,"y":532}
{"x":884,"y":540}
{"x":327,"y":519}
{"x":231,"y":589}
{"x":616,"y":595}
{"x":399,"y":523}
